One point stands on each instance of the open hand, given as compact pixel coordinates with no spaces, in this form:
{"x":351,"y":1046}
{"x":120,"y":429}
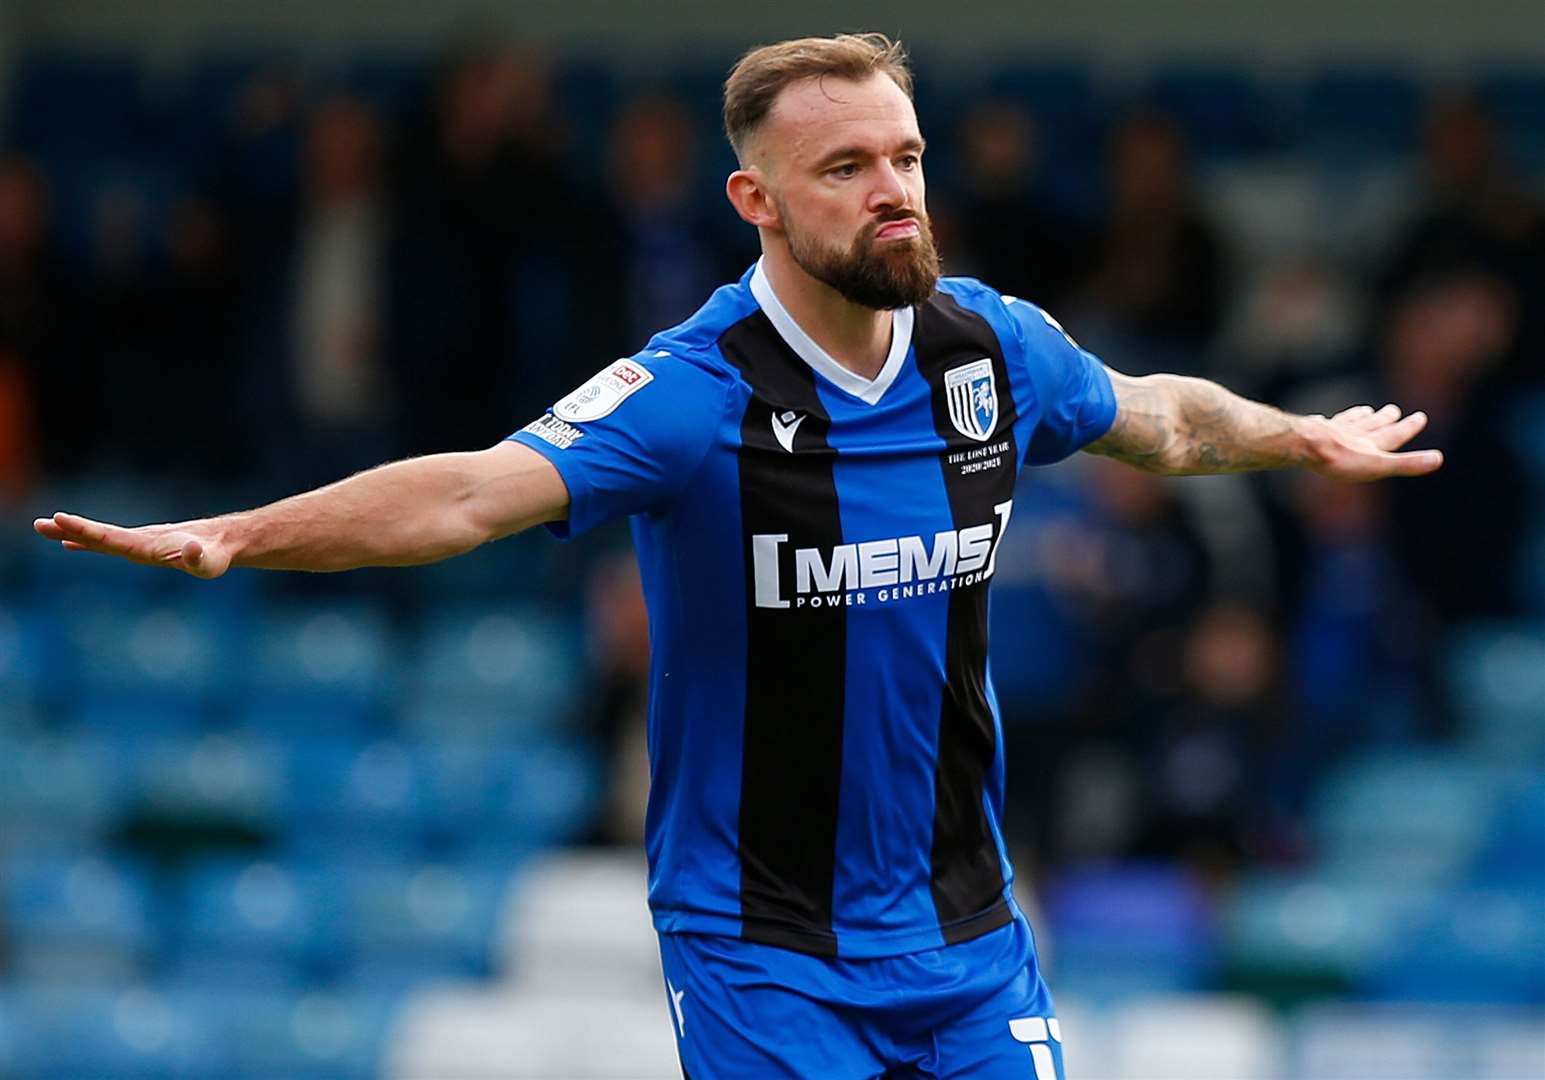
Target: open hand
{"x":190,"y":546}
{"x":1360,"y":443}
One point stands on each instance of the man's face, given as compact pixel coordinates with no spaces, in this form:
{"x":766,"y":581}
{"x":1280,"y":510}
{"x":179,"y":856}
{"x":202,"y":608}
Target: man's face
{"x":843,"y":162}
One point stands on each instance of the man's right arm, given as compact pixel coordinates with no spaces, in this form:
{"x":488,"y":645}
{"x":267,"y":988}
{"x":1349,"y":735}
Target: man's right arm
{"x":402,"y":514}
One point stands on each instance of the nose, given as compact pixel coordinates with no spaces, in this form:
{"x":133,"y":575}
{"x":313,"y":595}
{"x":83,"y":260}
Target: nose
{"x":889,"y":192}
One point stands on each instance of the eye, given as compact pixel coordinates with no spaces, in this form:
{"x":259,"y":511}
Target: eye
{"x":910,"y":161}
{"x":847,"y":169}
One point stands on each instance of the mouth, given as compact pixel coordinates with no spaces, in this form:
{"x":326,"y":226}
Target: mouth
{"x":897,"y":230}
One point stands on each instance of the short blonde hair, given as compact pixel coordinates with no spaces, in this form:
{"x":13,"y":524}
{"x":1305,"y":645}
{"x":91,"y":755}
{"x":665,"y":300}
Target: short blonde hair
{"x":757,"y":77}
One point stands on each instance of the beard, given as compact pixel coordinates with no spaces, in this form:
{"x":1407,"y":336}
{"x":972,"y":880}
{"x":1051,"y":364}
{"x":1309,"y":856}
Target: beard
{"x":898,"y":274}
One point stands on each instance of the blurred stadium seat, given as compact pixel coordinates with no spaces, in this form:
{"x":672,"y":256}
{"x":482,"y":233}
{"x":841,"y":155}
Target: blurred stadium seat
{"x":247,"y":911}
{"x":1129,"y":928}
{"x":78,"y":920}
{"x":1496,"y":678}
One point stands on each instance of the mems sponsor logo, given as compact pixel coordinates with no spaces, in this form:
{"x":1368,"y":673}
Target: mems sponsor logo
{"x":549,"y":428}
{"x":875,"y":571}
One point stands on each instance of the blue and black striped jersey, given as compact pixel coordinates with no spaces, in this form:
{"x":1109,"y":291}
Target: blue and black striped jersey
{"x":816,"y":550}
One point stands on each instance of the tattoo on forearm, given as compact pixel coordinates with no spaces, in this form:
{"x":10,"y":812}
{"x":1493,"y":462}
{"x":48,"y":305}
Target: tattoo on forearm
{"x":1179,"y":425}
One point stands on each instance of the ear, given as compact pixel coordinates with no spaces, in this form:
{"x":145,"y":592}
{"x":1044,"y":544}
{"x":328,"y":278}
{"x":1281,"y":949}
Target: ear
{"x":747,"y":191}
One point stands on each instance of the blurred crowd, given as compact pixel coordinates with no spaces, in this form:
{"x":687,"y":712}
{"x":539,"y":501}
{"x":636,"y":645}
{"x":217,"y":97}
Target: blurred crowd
{"x":333,"y":277}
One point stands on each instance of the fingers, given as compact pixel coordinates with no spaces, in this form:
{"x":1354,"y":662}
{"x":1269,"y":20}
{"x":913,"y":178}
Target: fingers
{"x":1399,"y":433}
{"x":1352,"y":415}
{"x":1412,"y":463}
{"x":77,"y":533}
{"x":1366,"y":417}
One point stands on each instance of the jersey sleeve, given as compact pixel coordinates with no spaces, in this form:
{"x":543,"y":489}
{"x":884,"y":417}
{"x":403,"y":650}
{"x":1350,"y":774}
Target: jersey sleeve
{"x":1078,"y":404}
{"x":630,"y":439}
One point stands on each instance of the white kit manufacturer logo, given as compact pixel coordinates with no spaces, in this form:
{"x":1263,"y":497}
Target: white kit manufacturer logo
{"x":784,"y":425}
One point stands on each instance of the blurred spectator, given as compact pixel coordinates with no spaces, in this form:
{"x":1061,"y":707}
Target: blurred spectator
{"x":1156,"y":288}
{"x":1476,"y":215}
{"x":1302,"y":319}
{"x":662,"y":249}
{"x":122,"y":382}
{"x":1458,"y":531}
{"x":313,"y":307}
{"x":488,"y":218}
{"x":1003,"y":232}
{"x":619,"y":700}
{"x":335,"y":320}
{"x":1134,"y":575}
{"x":197,"y":349}
{"x":34,"y":314}
{"x":1218,"y":752}
{"x":1140,"y":576}
{"x":1357,"y":651}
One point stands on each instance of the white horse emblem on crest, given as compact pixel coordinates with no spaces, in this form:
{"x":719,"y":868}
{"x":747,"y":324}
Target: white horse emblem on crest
{"x":973,"y":399}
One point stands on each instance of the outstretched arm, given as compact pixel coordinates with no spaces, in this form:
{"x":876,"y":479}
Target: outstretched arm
{"x":1177,"y":425}
{"x":402,"y":514}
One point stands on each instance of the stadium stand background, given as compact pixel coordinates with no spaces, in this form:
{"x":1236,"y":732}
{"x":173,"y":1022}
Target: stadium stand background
{"x":1277,"y":748}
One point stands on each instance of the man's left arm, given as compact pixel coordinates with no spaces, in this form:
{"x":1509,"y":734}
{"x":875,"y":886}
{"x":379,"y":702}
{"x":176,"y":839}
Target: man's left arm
{"x":1178,"y":425}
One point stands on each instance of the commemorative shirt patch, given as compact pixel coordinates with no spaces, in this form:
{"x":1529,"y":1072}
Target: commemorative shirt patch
{"x":602,"y":394}
{"x":550,"y":429}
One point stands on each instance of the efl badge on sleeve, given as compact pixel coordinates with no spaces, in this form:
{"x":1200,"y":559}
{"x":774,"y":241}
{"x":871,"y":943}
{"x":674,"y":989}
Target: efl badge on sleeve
{"x":611,"y":387}
{"x":973,"y":398}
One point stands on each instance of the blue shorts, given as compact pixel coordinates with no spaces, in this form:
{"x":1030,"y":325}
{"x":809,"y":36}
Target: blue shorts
{"x":979,"y":1009}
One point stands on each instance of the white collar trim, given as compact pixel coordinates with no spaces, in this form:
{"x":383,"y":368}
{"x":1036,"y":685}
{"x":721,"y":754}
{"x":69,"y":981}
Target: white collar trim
{"x":868,"y":391}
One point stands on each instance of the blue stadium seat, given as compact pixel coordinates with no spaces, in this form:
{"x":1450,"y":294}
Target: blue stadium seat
{"x":32,"y":652}
{"x":78,"y":919}
{"x":1404,"y":816}
{"x":303,"y":1034}
{"x":228,"y":778}
{"x":66,"y":787}
{"x":1481,"y":946}
{"x":1515,"y":853}
{"x":171,"y":652}
{"x":531,"y":659}
{"x":441,"y":916}
{"x":523,"y":796}
{"x":1347,"y":114}
{"x":10,"y":1033}
{"x":1126,"y":928}
{"x":1304,"y":925}
{"x":550,"y":797}
{"x":341,"y":794}
{"x":317,"y":672}
{"x":1517,"y":96}
{"x":136,"y":714}
{"x":77,"y":105}
{"x":477,"y":716}
{"x":1222,"y":109}
{"x":391,"y":81}
{"x":260,"y":911}
{"x":519,"y":568}
{"x":1495,"y":674}
{"x":126,"y":1033}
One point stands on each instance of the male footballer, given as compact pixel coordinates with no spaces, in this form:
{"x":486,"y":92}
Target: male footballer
{"x":819,"y":467}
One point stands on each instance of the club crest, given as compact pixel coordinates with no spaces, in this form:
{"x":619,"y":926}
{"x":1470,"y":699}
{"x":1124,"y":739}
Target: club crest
{"x":973,"y":399}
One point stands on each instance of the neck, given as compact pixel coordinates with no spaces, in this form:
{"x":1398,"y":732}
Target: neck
{"x":857,"y":337}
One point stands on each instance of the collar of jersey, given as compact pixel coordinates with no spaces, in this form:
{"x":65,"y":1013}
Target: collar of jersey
{"x":868,"y":391}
